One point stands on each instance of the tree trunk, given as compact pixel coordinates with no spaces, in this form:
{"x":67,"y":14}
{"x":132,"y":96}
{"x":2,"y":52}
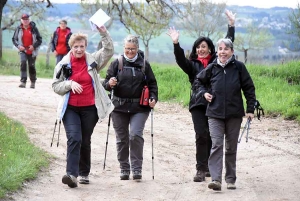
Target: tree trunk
{"x":246,"y":55}
{"x":147,"y":53}
{"x":2,"y":4}
{"x":48,"y":54}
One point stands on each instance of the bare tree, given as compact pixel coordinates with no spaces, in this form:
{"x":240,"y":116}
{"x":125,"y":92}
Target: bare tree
{"x":294,"y":42}
{"x":147,"y":29}
{"x":202,"y":18}
{"x":255,"y":38}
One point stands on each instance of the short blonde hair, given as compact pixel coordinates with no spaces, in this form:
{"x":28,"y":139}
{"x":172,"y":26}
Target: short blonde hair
{"x":77,"y":37}
{"x":132,"y":39}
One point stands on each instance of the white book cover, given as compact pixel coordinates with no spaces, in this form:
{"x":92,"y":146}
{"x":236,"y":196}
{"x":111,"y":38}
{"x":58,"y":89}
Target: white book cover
{"x":98,"y":19}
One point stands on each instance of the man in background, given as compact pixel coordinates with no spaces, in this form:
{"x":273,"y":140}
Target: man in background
{"x":60,"y":39}
{"x":28,"y":40}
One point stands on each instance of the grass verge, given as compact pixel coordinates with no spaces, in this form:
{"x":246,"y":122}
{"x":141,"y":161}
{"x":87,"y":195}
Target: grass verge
{"x":20,"y":160}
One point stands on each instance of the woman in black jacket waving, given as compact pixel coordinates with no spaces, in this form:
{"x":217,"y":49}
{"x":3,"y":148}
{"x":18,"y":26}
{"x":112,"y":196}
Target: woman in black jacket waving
{"x":221,"y":84}
{"x":202,"y":54}
{"x":127,"y":77}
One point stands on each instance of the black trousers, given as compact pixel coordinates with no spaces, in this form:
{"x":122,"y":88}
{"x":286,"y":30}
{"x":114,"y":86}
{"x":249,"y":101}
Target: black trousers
{"x":79,"y":123}
{"x":203,"y":140}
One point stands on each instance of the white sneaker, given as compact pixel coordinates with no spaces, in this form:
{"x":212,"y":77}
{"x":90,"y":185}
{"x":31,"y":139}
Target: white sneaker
{"x":231,"y":186}
{"x":84,"y":180}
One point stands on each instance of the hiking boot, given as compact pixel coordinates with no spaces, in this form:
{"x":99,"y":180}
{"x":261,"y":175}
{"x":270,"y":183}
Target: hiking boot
{"x":84,"y":180}
{"x":200,"y":176}
{"x":231,"y":186}
{"x":124,"y":174}
{"x":207,"y":174}
{"x":137,"y":174}
{"x":22,"y":85}
{"x":215,"y":185}
{"x":32,"y":85}
{"x":70,"y":180}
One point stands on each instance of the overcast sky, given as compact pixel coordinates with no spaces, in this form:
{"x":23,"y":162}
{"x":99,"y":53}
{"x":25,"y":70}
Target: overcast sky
{"x":254,"y":3}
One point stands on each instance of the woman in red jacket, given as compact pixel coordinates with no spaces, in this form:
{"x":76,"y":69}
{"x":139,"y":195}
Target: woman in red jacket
{"x":60,"y":39}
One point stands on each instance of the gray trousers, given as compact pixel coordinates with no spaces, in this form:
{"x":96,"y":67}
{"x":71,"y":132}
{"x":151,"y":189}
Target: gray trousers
{"x":31,"y":67}
{"x":231,"y":129}
{"x":129,"y":129}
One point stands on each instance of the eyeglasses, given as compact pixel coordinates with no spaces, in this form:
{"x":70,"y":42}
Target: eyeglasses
{"x":130,"y":49}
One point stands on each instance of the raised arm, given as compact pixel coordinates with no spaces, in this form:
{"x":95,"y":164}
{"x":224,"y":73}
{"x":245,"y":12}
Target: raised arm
{"x":231,"y":26}
{"x":181,"y":60}
{"x":103,"y":55}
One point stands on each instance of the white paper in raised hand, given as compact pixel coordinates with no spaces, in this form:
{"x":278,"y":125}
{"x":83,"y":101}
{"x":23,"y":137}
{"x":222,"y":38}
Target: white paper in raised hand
{"x":98,"y":19}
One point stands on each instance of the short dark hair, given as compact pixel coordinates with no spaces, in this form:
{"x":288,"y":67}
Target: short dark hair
{"x":63,"y":21}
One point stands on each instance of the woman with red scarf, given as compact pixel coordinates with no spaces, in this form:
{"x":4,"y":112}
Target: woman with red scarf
{"x":203,"y":53}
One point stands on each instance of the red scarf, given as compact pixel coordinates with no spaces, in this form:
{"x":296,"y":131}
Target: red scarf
{"x":204,"y":60}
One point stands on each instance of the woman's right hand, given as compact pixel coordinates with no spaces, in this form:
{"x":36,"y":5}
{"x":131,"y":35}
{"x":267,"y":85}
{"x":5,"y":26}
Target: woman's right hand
{"x":174,"y":34}
{"x":112,"y":82}
{"x":76,"y":88}
{"x":208,"y":97}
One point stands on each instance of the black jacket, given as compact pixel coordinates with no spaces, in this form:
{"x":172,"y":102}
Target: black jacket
{"x":192,"y":66}
{"x":225,"y":84}
{"x":131,"y":80}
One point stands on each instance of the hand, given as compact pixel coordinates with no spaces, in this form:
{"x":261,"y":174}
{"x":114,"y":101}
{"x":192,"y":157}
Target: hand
{"x":55,"y":53}
{"x":76,"y":87}
{"x":102,"y":29}
{"x":208,"y":97}
{"x":174,"y":34}
{"x":31,"y":48}
{"x":231,"y":17}
{"x":112,"y":82}
{"x":251,"y":115}
{"x":152,"y":102}
{"x":21,"y":48}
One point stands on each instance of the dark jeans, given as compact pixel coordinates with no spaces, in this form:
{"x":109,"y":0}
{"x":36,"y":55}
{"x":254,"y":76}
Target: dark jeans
{"x":31,"y":67}
{"x":79,"y":123}
{"x":203,"y":140}
{"x":59,"y":57}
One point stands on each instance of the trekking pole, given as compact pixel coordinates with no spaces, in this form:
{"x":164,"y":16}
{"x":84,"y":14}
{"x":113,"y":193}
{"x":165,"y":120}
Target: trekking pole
{"x":245,"y":127}
{"x":152,"y":143}
{"x":108,"y":125}
{"x":54,"y":133}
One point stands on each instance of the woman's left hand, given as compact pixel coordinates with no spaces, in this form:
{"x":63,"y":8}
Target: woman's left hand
{"x":152,"y":103}
{"x":231,"y":17}
{"x":102,"y":29}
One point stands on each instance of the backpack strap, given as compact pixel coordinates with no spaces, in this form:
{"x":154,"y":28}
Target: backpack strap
{"x":120,"y":66}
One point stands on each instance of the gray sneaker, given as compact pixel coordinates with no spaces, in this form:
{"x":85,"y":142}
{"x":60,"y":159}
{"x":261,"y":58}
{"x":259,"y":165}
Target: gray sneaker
{"x":124,"y":174}
{"x":84,"y":180}
{"x":22,"y":85}
{"x":215,"y":185}
{"x":70,"y":180}
{"x":137,"y":174}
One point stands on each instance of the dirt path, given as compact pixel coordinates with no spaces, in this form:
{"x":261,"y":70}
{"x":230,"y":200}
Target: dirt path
{"x":267,"y":167}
